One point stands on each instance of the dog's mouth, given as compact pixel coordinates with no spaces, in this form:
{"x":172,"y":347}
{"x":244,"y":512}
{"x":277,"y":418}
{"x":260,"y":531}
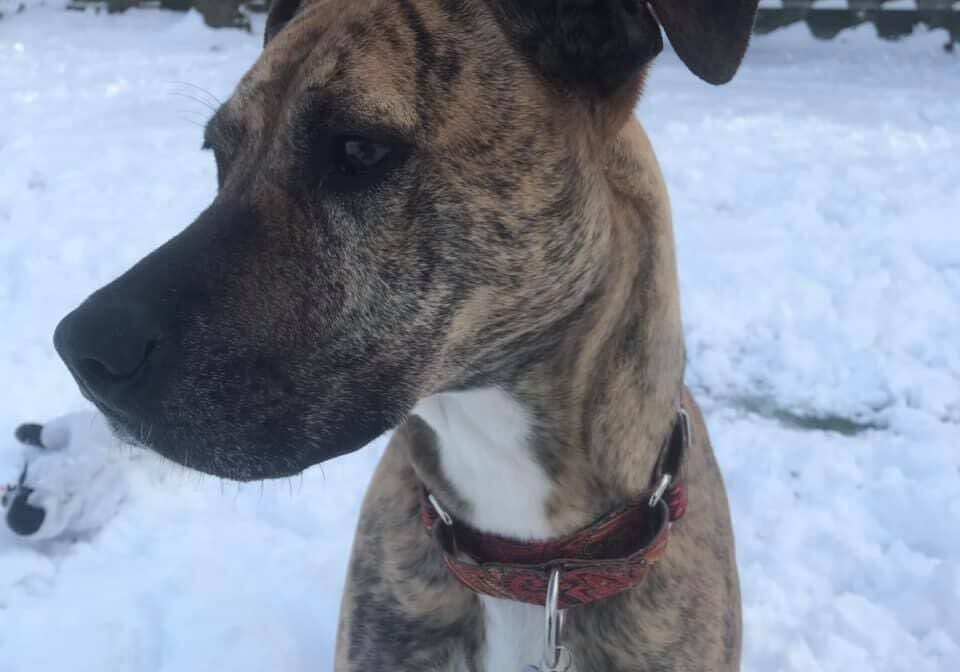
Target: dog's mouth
{"x":216,"y":457}
{"x":229,"y":421}
{"x":240,"y":418}
{"x":237,"y":422}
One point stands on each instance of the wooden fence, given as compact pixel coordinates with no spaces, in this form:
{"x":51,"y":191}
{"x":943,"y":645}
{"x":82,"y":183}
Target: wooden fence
{"x":893,"y":19}
{"x":826,"y":19}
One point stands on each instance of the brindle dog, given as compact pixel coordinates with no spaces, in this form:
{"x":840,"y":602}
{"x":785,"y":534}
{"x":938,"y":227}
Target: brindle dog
{"x":441,"y":216}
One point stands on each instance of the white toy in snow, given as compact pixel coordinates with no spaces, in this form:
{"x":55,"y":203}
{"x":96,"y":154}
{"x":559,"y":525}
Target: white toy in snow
{"x":71,"y":483}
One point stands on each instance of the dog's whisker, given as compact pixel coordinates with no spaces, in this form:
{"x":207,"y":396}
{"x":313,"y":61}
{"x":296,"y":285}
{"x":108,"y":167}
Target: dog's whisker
{"x":193,"y":89}
{"x":202,"y":90}
{"x":205,"y":103}
{"x":193,"y":117}
{"x":200,"y":114}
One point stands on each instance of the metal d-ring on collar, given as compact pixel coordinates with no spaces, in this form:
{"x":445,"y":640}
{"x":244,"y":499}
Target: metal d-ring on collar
{"x":666,"y":479}
{"x":556,"y":657}
{"x":442,"y":512}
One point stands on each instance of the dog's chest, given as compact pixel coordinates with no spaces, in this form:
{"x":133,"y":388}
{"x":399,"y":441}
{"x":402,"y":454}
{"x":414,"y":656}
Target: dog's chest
{"x":514,"y":636}
{"x":484,"y":456}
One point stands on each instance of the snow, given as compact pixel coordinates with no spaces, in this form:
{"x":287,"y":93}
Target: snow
{"x":816,"y":202}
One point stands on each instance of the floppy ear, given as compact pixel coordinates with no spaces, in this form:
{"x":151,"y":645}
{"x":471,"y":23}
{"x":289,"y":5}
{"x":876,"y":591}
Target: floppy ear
{"x":597,"y":46}
{"x":709,"y":36}
{"x":591,"y":47}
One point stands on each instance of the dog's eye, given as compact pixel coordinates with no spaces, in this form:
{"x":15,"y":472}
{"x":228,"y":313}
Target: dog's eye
{"x":357,"y":156}
{"x":359,"y":163}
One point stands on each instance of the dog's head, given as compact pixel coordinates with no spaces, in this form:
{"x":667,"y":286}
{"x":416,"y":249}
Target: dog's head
{"x":411,"y":199}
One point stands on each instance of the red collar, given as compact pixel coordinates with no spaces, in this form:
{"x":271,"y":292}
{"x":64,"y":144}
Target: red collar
{"x":608,"y":557}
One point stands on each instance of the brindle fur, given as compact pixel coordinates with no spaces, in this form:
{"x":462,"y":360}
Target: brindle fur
{"x":525,"y":243}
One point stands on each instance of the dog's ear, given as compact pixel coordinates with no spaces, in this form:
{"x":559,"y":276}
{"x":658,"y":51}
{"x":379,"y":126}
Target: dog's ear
{"x":709,"y":36}
{"x":592,"y":47}
{"x":597,"y":46}
{"x":280,"y":13}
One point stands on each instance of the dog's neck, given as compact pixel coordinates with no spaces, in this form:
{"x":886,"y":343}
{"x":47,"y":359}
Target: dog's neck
{"x":577,"y":432}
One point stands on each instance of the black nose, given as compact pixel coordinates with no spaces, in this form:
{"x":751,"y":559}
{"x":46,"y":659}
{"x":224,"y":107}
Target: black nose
{"x":106,"y":343}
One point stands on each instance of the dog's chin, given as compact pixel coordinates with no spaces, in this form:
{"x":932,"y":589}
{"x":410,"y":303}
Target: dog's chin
{"x":208,"y":455}
{"x":251,"y":451}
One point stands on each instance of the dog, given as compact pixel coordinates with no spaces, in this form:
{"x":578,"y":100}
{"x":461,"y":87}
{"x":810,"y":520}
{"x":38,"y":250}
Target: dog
{"x":440,"y":217}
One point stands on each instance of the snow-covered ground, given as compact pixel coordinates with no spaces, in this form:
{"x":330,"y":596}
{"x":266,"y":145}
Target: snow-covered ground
{"x":817,"y":207}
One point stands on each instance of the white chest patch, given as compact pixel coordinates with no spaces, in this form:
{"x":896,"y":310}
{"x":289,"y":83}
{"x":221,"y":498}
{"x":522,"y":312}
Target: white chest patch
{"x":514,"y":635}
{"x":485,"y":457}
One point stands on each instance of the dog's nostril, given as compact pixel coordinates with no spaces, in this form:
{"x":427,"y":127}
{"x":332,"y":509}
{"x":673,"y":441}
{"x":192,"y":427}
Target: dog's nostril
{"x":116,"y":371}
{"x":108,"y":343}
{"x":91,"y":369}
